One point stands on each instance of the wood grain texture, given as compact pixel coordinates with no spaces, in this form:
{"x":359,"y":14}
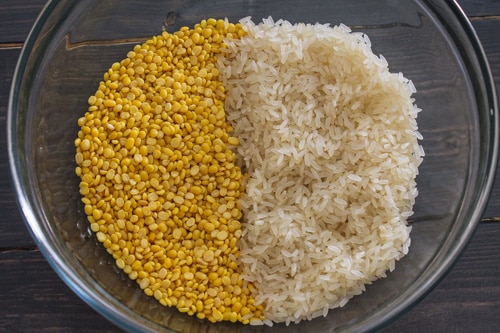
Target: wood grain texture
{"x":492,"y":211}
{"x":12,"y":228}
{"x":476,"y":307}
{"x":488,"y":33}
{"x":480,"y":8}
{"x":17,"y":17}
{"x":34,"y":299}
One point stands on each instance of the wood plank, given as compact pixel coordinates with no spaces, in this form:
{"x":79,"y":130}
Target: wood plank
{"x":34,"y":299}
{"x":12,"y":229}
{"x":487,"y":31}
{"x":468,"y":298}
{"x":492,"y":211}
{"x":480,"y":7}
{"x":17,"y":17}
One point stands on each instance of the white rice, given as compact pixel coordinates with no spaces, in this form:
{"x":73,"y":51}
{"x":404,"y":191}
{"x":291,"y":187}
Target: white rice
{"x":329,"y":140}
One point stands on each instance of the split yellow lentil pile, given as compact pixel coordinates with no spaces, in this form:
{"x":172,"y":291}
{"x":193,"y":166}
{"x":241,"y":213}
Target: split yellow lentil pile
{"x":158,"y":179}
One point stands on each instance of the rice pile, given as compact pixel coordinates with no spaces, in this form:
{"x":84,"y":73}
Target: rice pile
{"x":329,"y":140}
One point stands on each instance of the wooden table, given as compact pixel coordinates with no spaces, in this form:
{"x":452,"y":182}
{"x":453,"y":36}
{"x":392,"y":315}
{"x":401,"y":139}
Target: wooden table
{"x":34,"y":299}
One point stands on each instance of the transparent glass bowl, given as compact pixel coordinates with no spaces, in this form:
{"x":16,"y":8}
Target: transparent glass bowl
{"x":74,"y":42}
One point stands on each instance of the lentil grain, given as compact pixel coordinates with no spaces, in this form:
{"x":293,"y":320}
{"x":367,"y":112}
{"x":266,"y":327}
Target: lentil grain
{"x":152,"y":153}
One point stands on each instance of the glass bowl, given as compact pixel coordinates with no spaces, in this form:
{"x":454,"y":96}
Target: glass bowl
{"x":74,"y":42}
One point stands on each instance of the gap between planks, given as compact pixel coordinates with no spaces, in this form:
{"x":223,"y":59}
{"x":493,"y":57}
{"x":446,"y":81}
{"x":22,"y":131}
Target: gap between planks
{"x":13,"y":45}
{"x":484,"y":17}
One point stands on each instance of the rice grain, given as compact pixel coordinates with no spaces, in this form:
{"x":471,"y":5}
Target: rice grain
{"x":329,"y":139}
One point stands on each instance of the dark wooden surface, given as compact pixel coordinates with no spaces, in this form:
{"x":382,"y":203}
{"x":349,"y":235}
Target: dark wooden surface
{"x":34,"y":299}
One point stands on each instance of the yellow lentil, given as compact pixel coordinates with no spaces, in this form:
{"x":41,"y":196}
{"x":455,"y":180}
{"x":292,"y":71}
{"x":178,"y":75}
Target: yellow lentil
{"x":158,"y":178}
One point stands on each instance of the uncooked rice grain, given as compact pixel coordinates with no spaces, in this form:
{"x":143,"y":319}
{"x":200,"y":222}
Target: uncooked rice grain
{"x":329,"y":140}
